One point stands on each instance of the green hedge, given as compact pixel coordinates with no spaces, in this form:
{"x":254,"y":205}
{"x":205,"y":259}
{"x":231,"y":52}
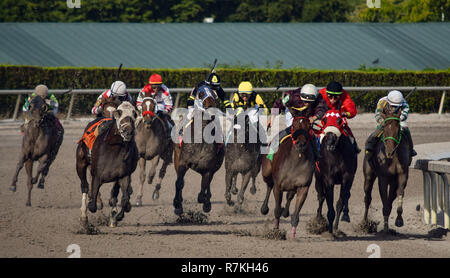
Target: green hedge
{"x":26,"y":77}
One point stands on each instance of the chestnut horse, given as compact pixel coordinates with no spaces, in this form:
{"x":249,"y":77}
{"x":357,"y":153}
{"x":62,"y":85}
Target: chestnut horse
{"x":291,"y":170}
{"x":390,"y":164}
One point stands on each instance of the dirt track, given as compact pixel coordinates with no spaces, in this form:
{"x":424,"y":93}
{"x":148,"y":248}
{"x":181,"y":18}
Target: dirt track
{"x":51,"y":224}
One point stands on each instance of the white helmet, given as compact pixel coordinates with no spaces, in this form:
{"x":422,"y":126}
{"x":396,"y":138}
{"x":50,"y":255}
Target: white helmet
{"x":41,"y":90}
{"x":395,"y":98}
{"x":308,"y":92}
{"x":118,"y":89}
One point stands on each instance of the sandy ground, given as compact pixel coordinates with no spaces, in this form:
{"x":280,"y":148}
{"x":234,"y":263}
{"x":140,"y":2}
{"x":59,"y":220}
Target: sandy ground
{"x":52,"y":223}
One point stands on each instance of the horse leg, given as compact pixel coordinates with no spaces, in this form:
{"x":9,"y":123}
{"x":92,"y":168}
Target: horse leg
{"x":161,"y":175}
{"x":369,"y":179}
{"x":253,"y":187}
{"x":113,"y":196}
{"x":400,"y":193}
{"x":340,"y":204}
{"x":228,"y":182}
{"x":43,"y":162}
{"x":320,"y":196}
{"x":387,"y":207}
{"x":289,"y":196}
{"x":152,"y":170}
{"x":245,"y":181}
{"x":278,"y":195}
{"x":346,"y":186}
{"x":329,"y":196}
{"x":234,"y":189}
{"x":124,"y":184}
{"x":16,"y":174}
{"x":142,"y":163}
{"x":29,"y":169}
{"x":95,"y":188}
{"x":302,"y":193}
{"x":269,"y":186}
{"x":81,"y":165}
{"x":204,"y":196}
{"x":179,"y":184}
{"x":44,"y":175}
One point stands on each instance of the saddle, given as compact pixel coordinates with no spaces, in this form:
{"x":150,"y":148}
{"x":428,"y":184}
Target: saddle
{"x":94,"y":131}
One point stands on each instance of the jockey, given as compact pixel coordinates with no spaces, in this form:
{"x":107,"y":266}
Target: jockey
{"x":337,"y":98}
{"x":297,"y":99}
{"x":393,"y":99}
{"x":211,"y":84}
{"x":160,"y":92}
{"x":246,"y":98}
{"x":118,"y":89}
{"x":50,"y":99}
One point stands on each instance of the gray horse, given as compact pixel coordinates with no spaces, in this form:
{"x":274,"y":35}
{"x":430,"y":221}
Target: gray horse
{"x":390,"y":164}
{"x":152,"y":144}
{"x":41,"y":141}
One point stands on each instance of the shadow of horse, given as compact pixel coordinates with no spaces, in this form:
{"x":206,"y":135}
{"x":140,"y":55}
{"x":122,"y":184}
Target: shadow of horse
{"x":41,"y":142}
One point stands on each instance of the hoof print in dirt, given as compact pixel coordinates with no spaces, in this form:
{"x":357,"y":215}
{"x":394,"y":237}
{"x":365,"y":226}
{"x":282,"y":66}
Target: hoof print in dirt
{"x":87,"y":229}
{"x":367,"y":227}
{"x":275,"y":234}
{"x":192,"y":217}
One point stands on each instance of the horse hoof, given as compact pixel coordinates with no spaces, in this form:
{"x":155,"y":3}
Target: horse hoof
{"x":92,"y":207}
{"x":234,"y":191}
{"x":399,"y":222}
{"x":138,"y":202}
{"x":28,"y":204}
{"x":12,"y":188}
{"x":127,"y":207}
{"x":285,"y":213}
{"x":112,"y":202}
{"x":207,"y":207}
{"x":84,"y":221}
{"x":33,"y":180}
{"x":155,"y":195}
{"x":264,"y":210}
{"x":345,"y":218}
{"x":40,"y":186}
{"x":230,"y":203}
{"x":178,"y":211}
{"x":201,"y":198}
{"x":112,"y":223}
{"x":253,"y":190}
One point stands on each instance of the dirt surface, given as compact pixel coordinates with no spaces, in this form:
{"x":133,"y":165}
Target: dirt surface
{"x":52,"y":223}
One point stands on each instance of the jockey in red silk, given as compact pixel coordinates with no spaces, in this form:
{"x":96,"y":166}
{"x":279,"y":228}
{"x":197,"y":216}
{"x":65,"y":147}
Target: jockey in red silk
{"x":160,"y":92}
{"x":338,"y":99}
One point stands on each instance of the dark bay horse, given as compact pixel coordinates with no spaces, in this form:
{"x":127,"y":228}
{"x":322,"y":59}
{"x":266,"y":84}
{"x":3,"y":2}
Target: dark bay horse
{"x":41,"y":142}
{"x":291,"y":170}
{"x":200,"y":154}
{"x":337,"y":165}
{"x":113,"y":158}
{"x":152,"y":144}
{"x":390,"y":164}
{"x":242,"y":156}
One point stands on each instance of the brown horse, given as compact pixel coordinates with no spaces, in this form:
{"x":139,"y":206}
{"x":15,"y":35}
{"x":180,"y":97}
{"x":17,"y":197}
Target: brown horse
{"x":113,"y":158}
{"x":389,"y":164}
{"x":291,"y":170}
{"x":41,"y":142}
{"x":109,"y":105}
{"x":152,"y":144}
{"x":199,"y":155}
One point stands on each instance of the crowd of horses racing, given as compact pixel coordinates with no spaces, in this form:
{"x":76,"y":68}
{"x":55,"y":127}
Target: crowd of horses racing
{"x":115,"y":154}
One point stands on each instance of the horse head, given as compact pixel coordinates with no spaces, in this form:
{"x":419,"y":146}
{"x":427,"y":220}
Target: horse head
{"x":207,"y":98}
{"x":332,"y":124}
{"x":38,"y":110}
{"x":148,"y":110}
{"x":391,"y":130}
{"x":110,"y":105}
{"x":125,"y":115}
{"x":300,"y":131}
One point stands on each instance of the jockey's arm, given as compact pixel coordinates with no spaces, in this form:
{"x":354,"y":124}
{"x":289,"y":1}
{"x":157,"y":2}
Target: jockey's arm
{"x":167,"y":98}
{"x":97,"y":108}
{"x":379,"y":110}
{"x":405,"y":112}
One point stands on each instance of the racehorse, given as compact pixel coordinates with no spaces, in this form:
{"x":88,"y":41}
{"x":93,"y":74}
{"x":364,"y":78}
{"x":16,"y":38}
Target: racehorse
{"x":201,"y":156}
{"x":390,"y":164}
{"x":41,"y":141}
{"x":337,"y":165}
{"x":113,"y":158}
{"x":152,"y":144}
{"x":291,"y":170}
{"x":242,"y":158}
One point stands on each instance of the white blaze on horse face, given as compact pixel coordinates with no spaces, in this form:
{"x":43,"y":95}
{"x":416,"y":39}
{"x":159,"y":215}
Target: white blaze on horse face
{"x":110,"y":109}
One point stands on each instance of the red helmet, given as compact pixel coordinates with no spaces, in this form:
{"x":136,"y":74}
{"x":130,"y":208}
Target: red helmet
{"x":155,"y":79}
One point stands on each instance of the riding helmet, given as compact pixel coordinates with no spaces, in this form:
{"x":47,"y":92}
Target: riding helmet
{"x":308,"y":92}
{"x":118,"y":89}
{"x":395,"y":98}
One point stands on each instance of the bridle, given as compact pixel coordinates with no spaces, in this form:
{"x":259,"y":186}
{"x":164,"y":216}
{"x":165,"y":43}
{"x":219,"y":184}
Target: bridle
{"x":148,"y":112}
{"x":396,"y":140}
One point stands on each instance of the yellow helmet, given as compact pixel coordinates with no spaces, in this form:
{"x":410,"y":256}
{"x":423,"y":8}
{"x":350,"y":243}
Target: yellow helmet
{"x":245,"y":87}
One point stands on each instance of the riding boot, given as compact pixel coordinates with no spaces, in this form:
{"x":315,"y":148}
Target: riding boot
{"x":410,"y":142}
{"x":281,"y":135}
